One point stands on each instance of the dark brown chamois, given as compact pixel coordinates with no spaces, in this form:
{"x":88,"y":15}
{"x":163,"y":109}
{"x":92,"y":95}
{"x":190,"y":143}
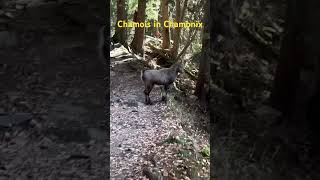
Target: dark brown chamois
{"x":164,"y":77}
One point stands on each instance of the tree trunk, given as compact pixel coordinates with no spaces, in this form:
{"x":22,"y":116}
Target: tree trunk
{"x":204,"y":70}
{"x":160,"y":16}
{"x":287,"y":72}
{"x":121,"y":33}
{"x":222,"y":19}
{"x":296,"y":84}
{"x":137,"y":42}
{"x":188,"y":43}
{"x":165,"y":31}
{"x":176,"y":35}
{"x":184,"y":9}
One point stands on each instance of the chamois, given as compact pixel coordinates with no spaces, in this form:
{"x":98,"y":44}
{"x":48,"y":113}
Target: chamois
{"x":164,"y":77}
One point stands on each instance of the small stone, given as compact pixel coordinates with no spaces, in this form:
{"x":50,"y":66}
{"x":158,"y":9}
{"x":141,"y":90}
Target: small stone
{"x":165,"y":173}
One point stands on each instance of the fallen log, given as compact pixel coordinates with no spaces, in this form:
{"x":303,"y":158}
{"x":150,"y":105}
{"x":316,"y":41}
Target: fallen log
{"x":164,"y":53}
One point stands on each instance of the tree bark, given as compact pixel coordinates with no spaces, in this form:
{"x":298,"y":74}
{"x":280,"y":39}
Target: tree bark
{"x":296,"y":84}
{"x":189,"y":42}
{"x":137,"y":42}
{"x":121,"y":33}
{"x":176,"y":35}
{"x":165,"y":31}
{"x":184,"y":9}
{"x":160,"y":17}
{"x":204,"y":70}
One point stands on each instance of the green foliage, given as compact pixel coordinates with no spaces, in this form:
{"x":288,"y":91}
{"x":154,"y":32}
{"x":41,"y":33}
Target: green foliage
{"x":152,"y":10}
{"x":184,"y":153}
{"x":205,"y":151}
{"x":197,"y":47}
{"x":132,"y":6}
{"x":174,"y":140}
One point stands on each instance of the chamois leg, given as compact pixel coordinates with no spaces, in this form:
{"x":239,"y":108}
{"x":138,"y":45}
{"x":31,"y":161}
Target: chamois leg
{"x":162,"y":93}
{"x":164,"y":96}
{"x":147,"y":91}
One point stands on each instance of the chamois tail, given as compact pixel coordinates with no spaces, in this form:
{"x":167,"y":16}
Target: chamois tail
{"x":142,"y":75}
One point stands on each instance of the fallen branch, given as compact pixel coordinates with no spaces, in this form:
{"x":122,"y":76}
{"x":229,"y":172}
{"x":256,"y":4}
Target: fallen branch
{"x":164,"y":53}
{"x":187,"y":45}
{"x":192,"y":76}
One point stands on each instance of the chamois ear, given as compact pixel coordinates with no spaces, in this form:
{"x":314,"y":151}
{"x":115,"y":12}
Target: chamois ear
{"x":180,"y":61}
{"x":180,"y":66}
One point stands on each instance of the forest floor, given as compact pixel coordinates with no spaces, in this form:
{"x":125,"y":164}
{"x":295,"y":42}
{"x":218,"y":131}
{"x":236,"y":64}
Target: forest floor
{"x":160,"y":139}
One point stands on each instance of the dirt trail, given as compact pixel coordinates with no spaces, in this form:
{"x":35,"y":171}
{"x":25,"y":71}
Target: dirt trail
{"x":134,"y":126}
{"x":138,"y":131}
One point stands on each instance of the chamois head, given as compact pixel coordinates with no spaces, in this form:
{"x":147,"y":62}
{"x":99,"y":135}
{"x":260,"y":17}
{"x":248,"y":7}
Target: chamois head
{"x":178,"y":67}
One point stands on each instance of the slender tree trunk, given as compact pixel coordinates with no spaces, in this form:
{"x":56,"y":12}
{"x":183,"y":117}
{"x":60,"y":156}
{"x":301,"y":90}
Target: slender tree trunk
{"x":176,"y":36}
{"x":204,"y":70}
{"x":287,"y":72}
{"x":121,"y":33}
{"x":137,"y":42}
{"x":188,"y":43}
{"x":160,"y":17}
{"x":165,"y":31}
{"x":184,"y":9}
